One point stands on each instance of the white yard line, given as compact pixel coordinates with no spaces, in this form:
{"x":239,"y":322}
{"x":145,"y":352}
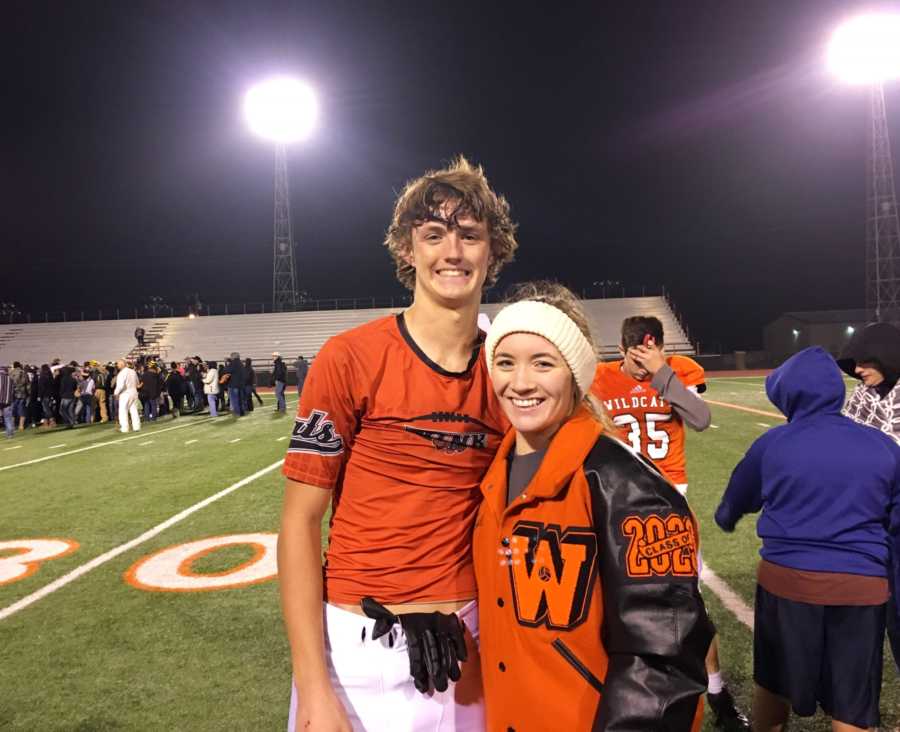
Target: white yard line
{"x":191,"y":442}
{"x":148,"y":442}
{"x":83,"y":569}
{"x":101,"y":444}
{"x":11,"y":448}
{"x":726,"y":595}
{"x":236,"y":439}
{"x":714,"y":426}
{"x":763,"y":424}
{"x":56,"y":447}
{"x":749,"y":410}
{"x":283,"y":437}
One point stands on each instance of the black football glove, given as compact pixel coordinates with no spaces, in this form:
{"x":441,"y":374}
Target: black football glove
{"x":435,"y":643}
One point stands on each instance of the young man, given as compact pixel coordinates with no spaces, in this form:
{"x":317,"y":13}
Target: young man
{"x":651,"y":397}
{"x":395,"y":428}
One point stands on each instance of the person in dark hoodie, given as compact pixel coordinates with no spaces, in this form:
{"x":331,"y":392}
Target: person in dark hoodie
{"x":235,"y":382}
{"x":279,"y":376}
{"x":829,"y":492}
{"x":873,"y":357}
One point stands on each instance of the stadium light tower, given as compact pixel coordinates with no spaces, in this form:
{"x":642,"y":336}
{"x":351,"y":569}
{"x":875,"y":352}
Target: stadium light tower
{"x":282,"y":110}
{"x":866,"y":51}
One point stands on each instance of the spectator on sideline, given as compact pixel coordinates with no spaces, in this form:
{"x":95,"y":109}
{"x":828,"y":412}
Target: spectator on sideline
{"x":150,"y":385}
{"x":67,"y":388}
{"x":98,"y":373}
{"x":211,"y":386}
{"x":175,"y":388}
{"x":301,"y":366}
{"x":829,"y":492}
{"x":45,"y":395}
{"x":86,"y":394}
{"x":139,"y":336}
{"x":279,"y":376}
{"x":7,"y":395}
{"x":234,"y":370}
{"x":197,"y":381}
{"x":34,"y":403}
{"x":127,"y":391}
{"x":250,"y":384}
{"x":873,"y":357}
{"x":20,"y":383}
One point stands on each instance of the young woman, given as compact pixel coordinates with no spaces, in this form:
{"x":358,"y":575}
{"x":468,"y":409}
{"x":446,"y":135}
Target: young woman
{"x":585,"y":555}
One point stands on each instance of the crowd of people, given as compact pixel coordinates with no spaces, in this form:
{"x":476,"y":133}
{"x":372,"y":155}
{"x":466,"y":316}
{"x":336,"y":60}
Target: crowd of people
{"x":68,"y":394}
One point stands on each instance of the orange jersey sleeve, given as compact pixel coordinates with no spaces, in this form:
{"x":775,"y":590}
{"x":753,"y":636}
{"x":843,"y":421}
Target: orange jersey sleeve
{"x":327,"y":418}
{"x":689,"y":372}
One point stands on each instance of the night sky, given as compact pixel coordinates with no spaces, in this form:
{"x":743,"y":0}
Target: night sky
{"x":696,"y":145}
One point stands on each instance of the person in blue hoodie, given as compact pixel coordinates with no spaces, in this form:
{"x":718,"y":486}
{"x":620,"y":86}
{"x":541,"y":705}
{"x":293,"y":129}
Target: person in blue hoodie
{"x":829,"y":492}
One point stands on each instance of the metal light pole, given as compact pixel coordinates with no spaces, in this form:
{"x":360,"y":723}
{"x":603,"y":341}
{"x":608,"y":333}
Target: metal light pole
{"x":866,"y":51}
{"x":282,"y":110}
{"x":882,"y":228}
{"x":284,"y":274}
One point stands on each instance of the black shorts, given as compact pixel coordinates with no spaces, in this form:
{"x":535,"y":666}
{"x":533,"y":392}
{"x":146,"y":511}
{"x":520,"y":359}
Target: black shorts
{"x":826,"y":654}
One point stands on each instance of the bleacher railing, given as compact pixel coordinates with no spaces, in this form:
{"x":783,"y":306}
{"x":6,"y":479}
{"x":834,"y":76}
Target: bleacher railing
{"x":597,"y":291}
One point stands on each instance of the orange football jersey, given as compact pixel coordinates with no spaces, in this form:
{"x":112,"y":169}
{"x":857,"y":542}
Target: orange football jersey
{"x":404,"y":444}
{"x":647,"y":421}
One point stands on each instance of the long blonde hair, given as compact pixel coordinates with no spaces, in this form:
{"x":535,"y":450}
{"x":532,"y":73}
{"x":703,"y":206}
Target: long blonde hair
{"x":563,"y":299}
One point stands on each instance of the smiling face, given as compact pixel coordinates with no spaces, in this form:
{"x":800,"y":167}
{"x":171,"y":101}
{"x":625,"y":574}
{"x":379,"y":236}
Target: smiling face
{"x":869,"y":374}
{"x":535,"y":388}
{"x":451,"y":257}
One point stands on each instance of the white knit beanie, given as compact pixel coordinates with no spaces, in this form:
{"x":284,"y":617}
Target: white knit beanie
{"x":540,"y":318}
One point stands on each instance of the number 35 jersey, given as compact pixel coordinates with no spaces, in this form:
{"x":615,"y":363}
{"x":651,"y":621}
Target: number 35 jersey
{"x":647,"y":421}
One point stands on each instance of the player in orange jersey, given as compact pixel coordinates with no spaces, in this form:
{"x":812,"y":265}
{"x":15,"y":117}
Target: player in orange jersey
{"x":396,"y":425}
{"x":651,"y":397}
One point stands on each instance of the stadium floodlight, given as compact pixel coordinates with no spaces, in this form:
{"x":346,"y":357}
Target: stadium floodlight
{"x":866,"y":49}
{"x":281,"y":109}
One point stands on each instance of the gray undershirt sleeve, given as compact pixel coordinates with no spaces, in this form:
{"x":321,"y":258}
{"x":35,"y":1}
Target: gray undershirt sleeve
{"x":689,"y":406}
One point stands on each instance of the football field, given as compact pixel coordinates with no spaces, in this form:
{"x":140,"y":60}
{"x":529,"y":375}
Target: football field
{"x":137,"y":572}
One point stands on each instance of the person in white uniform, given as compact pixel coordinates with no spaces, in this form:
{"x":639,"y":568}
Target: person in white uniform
{"x":127,"y":392}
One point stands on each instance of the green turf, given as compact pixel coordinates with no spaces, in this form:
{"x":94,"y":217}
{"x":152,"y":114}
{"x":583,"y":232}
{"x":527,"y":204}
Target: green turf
{"x":100,"y":654}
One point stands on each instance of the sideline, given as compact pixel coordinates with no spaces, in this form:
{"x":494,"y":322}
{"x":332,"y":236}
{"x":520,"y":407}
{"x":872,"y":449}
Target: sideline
{"x":728,"y":597}
{"x":751,"y":410}
{"x":83,"y":569}
{"x":142,"y":434}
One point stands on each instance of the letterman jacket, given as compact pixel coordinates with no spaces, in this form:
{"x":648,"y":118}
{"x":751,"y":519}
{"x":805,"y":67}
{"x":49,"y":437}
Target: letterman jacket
{"x":590,"y":613}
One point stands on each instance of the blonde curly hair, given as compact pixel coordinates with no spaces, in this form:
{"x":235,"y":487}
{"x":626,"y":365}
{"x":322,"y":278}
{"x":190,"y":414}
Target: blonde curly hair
{"x":467,"y":187}
{"x":563,"y":299}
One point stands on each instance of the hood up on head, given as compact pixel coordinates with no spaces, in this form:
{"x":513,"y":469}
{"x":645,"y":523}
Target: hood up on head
{"x":878,"y":343}
{"x":808,"y":383}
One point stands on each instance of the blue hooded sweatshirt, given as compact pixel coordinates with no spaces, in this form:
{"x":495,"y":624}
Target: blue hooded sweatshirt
{"x":828,"y":488}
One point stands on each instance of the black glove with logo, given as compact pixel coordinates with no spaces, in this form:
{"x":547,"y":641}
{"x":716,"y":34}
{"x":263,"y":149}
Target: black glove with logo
{"x":435,"y":643}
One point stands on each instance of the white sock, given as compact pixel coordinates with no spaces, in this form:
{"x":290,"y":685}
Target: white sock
{"x":716,"y":684}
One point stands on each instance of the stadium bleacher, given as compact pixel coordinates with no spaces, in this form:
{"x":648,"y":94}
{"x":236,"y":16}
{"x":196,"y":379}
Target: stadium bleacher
{"x":257,"y":336}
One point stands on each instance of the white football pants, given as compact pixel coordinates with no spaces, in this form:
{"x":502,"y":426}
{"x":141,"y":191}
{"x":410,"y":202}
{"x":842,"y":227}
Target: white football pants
{"x":128,"y":401}
{"x":372,"y":681}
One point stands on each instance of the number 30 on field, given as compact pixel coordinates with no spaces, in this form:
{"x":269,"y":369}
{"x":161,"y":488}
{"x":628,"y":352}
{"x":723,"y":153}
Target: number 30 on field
{"x":168,"y":570}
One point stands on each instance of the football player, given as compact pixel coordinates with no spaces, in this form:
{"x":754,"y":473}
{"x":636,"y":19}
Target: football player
{"x":395,"y":428}
{"x":651,"y":397}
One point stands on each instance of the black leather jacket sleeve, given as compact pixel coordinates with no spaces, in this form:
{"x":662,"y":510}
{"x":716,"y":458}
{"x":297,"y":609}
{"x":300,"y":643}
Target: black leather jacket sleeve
{"x":655,"y":628}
